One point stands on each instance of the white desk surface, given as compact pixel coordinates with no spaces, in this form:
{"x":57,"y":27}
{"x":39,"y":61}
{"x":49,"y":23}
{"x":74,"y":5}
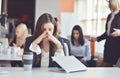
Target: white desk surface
{"x":96,"y":72}
{"x":10,"y":57}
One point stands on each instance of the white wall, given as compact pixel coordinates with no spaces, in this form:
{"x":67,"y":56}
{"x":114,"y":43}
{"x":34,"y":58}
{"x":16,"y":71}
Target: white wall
{"x":99,"y":47}
{"x":68,"y":20}
{"x":49,"y":6}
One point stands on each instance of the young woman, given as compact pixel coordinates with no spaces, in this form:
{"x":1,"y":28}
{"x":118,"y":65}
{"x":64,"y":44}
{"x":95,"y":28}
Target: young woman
{"x":43,"y":43}
{"x":80,"y":47}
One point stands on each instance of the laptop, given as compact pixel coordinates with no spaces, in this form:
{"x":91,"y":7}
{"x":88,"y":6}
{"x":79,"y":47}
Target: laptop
{"x":69,"y":63}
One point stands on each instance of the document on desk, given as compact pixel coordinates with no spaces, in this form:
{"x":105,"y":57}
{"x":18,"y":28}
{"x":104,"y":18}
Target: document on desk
{"x":69,"y":63}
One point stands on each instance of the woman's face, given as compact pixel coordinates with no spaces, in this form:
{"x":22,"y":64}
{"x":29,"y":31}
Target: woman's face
{"x":49,"y":27}
{"x":112,"y":5}
{"x":76,"y":34}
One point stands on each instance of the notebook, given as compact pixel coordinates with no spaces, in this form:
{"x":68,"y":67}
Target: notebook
{"x":69,"y":63}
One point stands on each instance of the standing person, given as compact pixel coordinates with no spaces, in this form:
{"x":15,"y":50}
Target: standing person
{"x":80,"y":47}
{"x":44,"y":43}
{"x":111,"y":35}
{"x":65,"y":42}
{"x":21,"y":33}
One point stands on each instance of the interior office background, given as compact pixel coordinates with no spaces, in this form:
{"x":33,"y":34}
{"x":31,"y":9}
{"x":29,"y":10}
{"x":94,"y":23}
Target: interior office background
{"x":89,"y":14}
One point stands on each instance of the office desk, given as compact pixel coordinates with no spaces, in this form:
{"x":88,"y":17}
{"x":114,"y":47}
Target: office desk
{"x":95,"y":72}
{"x":5,"y":59}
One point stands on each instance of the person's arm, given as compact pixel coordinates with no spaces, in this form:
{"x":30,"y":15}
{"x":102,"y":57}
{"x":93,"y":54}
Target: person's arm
{"x":53,"y":39}
{"x":116,"y":32}
{"x":87,"y":51}
{"x":102,"y":37}
{"x":34,"y":45}
{"x":37,"y":50}
{"x":99,"y":38}
{"x":59,"y":53}
{"x":10,"y":41}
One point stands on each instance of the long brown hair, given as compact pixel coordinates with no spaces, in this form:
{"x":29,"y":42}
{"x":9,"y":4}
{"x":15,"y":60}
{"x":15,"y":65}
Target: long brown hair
{"x":43,"y":19}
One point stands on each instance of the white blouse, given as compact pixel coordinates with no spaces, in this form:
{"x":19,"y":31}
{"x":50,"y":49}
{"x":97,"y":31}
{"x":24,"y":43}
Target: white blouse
{"x":44,"y":55}
{"x":44,"y":59}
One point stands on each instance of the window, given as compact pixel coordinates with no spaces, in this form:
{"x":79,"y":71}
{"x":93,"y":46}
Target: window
{"x":93,"y":15}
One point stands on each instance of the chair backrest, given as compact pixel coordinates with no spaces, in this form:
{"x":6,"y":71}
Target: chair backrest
{"x":66,"y":49}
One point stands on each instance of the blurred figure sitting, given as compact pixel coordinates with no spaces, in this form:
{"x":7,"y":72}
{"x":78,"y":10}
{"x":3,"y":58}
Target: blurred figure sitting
{"x":65,"y":42}
{"x":21,"y":33}
{"x":80,"y":47}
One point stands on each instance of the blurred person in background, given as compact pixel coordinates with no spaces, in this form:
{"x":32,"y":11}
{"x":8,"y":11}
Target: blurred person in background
{"x":21,"y":33}
{"x":65,"y":42}
{"x":80,"y":47}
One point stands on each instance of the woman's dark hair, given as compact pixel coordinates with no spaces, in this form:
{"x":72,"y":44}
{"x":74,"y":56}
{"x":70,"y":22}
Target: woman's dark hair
{"x":56,"y":19}
{"x":81,"y":38}
{"x":43,"y":19}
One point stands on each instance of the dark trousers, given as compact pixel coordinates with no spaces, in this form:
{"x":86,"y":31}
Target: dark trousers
{"x":16,"y":64}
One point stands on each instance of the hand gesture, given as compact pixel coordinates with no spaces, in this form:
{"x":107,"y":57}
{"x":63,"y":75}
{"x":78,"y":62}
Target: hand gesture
{"x":115,"y":33}
{"x":52,"y":38}
{"x":41,"y":37}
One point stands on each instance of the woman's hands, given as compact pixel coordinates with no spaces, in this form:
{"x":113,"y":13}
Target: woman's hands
{"x":46,"y":35}
{"x":115,"y":33}
{"x":52,"y":38}
{"x":39,"y":39}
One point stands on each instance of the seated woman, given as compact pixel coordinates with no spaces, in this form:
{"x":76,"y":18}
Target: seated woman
{"x":44,"y":43}
{"x":21,"y":32}
{"x":80,"y":47}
